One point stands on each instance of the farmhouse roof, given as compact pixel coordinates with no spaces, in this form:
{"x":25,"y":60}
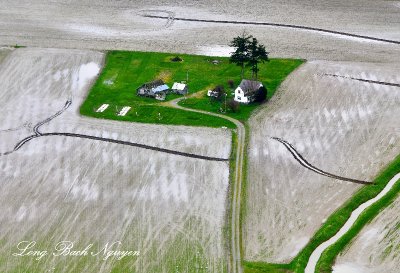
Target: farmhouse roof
{"x":178,"y":86}
{"x":160,"y":88}
{"x":249,"y":86}
{"x":153,"y":84}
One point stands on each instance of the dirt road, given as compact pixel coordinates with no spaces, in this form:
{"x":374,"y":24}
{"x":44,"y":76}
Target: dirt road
{"x":236,"y":187}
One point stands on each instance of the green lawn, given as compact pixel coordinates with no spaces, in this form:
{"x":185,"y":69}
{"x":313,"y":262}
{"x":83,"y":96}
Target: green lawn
{"x":271,"y":75}
{"x":125,"y":71}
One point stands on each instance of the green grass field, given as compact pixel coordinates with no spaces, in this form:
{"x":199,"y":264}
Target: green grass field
{"x":272,"y":74}
{"x":125,"y":71}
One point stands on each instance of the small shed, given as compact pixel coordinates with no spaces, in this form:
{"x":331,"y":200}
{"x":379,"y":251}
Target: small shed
{"x":247,"y":90}
{"x":212,"y":93}
{"x":179,"y":88}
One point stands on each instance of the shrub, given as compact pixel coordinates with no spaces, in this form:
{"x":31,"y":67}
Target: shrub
{"x":231,"y":84}
{"x":233,"y":105}
{"x":220,"y":92}
{"x":176,"y":59}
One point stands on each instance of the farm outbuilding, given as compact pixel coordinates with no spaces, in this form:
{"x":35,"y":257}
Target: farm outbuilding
{"x":179,"y":88}
{"x":212,"y":93}
{"x":247,"y":90}
{"x":155,"y":89}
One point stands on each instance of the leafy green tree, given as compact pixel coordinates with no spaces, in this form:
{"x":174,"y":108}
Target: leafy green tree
{"x":233,"y":105}
{"x":220,"y":92}
{"x":241,"y":54}
{"x":231,"y":84}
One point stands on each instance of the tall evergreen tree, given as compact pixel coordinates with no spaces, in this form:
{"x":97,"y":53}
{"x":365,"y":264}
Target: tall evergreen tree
{"x":257,"y":54}
{"x":248,"y":52}
{"x":241,"y":54}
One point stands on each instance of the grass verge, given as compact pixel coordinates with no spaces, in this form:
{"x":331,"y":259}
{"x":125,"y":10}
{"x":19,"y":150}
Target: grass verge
{"x":260,"y":267}
{"x":328,"y":257}
{"x":335,"y":222}
{"x":243,"y":196}
{"x":161,"y":115}
{"x":228,"y":215}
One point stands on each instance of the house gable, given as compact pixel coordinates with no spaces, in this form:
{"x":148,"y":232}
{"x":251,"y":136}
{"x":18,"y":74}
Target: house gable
{"x":246,"y":91}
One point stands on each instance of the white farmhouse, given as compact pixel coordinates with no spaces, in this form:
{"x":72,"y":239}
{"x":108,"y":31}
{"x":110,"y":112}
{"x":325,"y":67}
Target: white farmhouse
{"x":246,"y":91}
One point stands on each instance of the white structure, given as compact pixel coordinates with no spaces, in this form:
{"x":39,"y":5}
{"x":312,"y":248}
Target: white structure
{"x":102,"y":108}
{"x":246,"y":91}
{"x":124,"y":111}
{"x":179,"y":88}
{"x":212,"y":93}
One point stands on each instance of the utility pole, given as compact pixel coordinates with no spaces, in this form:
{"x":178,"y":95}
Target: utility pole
{"x":225,"y":101}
